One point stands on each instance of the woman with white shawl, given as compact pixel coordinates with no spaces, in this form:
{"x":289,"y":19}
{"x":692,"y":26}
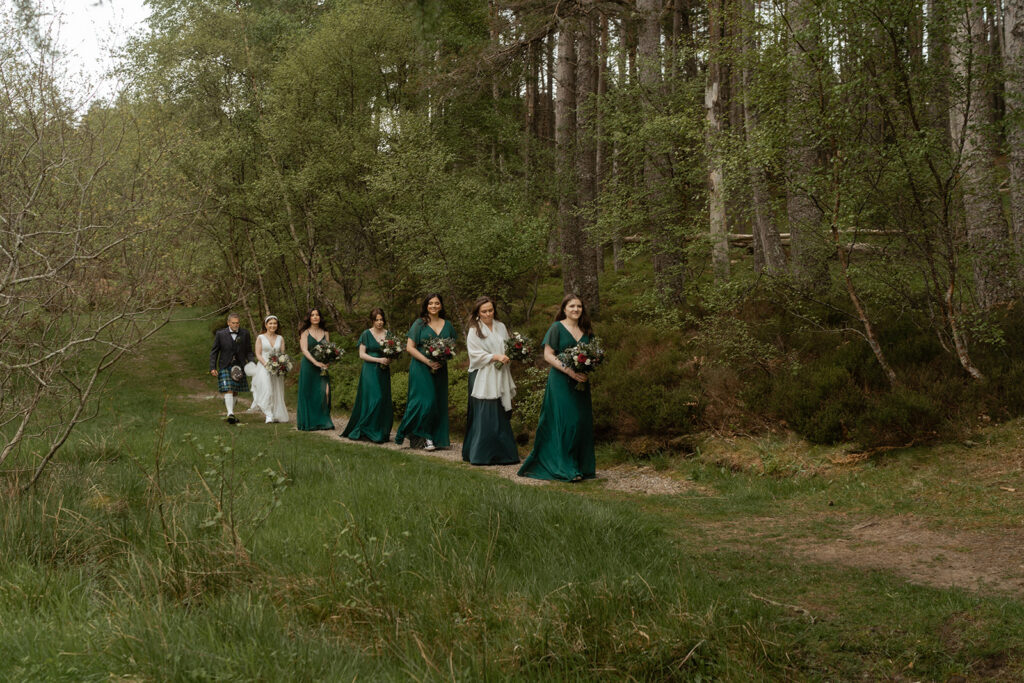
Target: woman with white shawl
{"x":489,"y":438}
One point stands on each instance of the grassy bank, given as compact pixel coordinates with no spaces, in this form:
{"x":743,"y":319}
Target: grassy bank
{"x":165,"y":545}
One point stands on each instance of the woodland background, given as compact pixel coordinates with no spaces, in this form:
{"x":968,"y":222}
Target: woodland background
{"x":799,"y":215}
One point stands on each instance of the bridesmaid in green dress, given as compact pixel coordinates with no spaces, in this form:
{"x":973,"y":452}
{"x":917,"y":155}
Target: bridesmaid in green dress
{"x":426,"y":412}
{"x":563,"y":448}
{"x":314,"y":409}
{"x":372,"y":412}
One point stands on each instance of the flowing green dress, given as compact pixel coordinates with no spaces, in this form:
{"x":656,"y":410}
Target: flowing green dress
{"x":314,"y":409}
{"x":563,"y":448}
{"x":489,"y":437}
{"x":372,"y":412}
{"x":426,"y":411}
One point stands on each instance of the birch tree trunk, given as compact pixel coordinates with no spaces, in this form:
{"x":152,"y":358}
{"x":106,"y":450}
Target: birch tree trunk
{"x":971,"y":121}
{"x":1013,"y":64}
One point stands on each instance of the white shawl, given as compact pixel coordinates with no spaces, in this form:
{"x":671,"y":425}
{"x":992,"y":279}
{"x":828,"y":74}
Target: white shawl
{"x":490,"y":382}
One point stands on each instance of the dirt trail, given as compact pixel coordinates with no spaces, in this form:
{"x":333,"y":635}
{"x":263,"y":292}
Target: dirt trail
{"x":988,"y":561}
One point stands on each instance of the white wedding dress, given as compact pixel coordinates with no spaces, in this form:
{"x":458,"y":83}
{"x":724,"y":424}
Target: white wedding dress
{"x":268,"y":390}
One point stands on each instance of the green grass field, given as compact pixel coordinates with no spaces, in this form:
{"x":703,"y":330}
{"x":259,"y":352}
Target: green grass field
{"x":165,"y":545}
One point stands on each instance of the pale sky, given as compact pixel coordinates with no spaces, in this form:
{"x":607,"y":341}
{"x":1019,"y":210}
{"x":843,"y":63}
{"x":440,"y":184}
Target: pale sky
{"x":92,"y":29}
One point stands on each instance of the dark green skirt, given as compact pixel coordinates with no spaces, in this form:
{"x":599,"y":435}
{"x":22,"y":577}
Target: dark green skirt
{"x":489,"y":437}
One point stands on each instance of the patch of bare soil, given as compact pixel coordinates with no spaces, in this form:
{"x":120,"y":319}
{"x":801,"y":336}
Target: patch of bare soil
{"x":622,"y":478}
{"x":987,"y":562}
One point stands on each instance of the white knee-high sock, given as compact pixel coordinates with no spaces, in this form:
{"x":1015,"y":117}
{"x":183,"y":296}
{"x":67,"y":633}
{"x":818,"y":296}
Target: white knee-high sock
{"x":229,"y":402}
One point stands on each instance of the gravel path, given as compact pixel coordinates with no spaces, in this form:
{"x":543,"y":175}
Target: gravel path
{"x":625,"y":478}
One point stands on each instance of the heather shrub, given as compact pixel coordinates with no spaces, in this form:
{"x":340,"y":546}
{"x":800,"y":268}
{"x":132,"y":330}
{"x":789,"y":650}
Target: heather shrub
{"x":898,"y":417}
{"x":646,"y":386}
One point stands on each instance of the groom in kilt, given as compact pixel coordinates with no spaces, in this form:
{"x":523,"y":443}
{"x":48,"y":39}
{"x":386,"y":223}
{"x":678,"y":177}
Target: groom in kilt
{"x":232,"y":348}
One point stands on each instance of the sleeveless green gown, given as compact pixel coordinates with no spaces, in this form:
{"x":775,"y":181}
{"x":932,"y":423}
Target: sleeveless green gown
{"x":426,"y":411}
{"x":314,"y":405}
{"x":563,"y":448}
{"x":372,"y":412}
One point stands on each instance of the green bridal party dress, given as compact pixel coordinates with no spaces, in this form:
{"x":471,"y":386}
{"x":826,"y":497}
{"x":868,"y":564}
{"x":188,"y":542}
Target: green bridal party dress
{"x":426,"y":411}
{"x":563,"y":448}
{"x":314,"y":405}
{"x":372,"y":413}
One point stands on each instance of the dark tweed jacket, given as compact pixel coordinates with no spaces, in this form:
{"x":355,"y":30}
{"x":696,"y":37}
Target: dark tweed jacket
{"x":227,"y":352}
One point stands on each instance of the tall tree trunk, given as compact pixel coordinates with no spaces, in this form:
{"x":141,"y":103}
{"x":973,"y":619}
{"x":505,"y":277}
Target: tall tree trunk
{"x":970,"y":124}
{"x":664,"y":255}
{"x":602,"y":145}
{"x":768,"y":252}
{"x":565,"y":142}
{"x":805,"y":217}
{"x":939,"y":36}
{"x":1013,"y":40}
{"x":715,"y":111}
{"x":529,"y":110}
{"x":497,"y":155}
{"x":549,"y":83}
{"x":624,"y":62}
{"x":563,"y":157}
{"x":579,"y":271}
{"x":683,"y":9}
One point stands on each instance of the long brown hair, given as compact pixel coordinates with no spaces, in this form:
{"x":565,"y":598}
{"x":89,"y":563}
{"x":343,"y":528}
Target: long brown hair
{"x":307,"y":323}
{"x":474,"y":317}
{"x":584,"y":323}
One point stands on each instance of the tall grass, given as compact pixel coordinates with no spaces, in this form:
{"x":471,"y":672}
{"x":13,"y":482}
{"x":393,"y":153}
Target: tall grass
{"x":166,"y":545}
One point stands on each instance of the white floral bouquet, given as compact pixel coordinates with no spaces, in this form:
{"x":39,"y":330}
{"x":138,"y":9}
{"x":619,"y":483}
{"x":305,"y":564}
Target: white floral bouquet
{"x":279,"y":364}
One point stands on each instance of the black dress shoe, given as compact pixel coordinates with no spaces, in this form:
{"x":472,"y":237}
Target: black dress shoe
{"x":232,"y":419}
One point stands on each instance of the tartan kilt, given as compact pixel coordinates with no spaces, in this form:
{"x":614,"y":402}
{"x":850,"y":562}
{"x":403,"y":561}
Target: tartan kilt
{"x":225,"y":383}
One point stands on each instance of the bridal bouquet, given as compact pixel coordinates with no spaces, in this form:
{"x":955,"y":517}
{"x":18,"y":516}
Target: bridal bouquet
{"x":517,"y":347}
{"x":279,"y":364}
{"x":390,"y":347}
{"x":327,"y":352}
{"x":439,"y":349}
{"x":584,"y":357}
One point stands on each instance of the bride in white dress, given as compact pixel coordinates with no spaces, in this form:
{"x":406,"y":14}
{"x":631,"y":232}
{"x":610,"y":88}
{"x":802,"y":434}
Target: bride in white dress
{"x":267,"y":389}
